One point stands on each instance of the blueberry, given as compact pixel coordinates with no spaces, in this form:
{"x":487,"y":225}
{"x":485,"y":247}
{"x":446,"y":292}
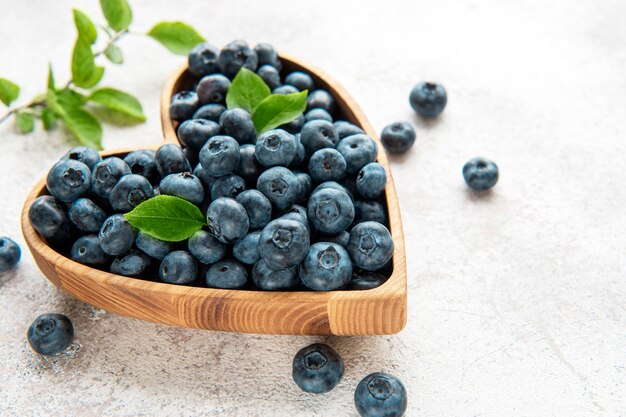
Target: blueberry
{"x":87,"y":251}
{"x":320,"y":99}
{"x":204,"y":177}
{"x":183,"y":185}
{"x":269,"y":279}
{"x":275,"y":147}
{"x":152,"y":246}
{"x":143,"y":162}
{"x":398,"y":137}
{"x":370,"y":245}
{"x":327,"y":165}
{"x":131,"y":264}
{"x":428,"y":99}
{"x":318,"y":134}
{"x":330,"y":210}
{"x":213,"y":89}
{"x":336,"y":186}
{"x":49,"y":220}
{"x":371,"y":181}
{"x":317,"y":368}
{"x":284,"y":243}
{"x":345,"y":129}
{"x":228,"y":220}
{"x":300,"y":152}
{"x":106,"y":174}
{"x":380,"y":395}
{"x":285,"y":89}
{"x":203,"y":59}
{"x":191,"y":155}
{"x":480,"y":174}
{"x":50,"y":334}
{"x":369,"y":210}
{"x":267,"y":55}
{"x":358,"y":151}
{"x":326,"y":267}
{"x":195,"y":133}
{"x":10,"y":254}
{"x":301,"y":80}
{"x":295,"y":125}
{"x":227,"y":274}
{"x":340,"y":239}
{"x":238,"y":124}
{"x":116,"y":235}
{"x":270,"y":75}
{"x":130,"y":191}
{"x":170,"y":159}
{"x":281,"y":186}
{"x":183,"y":105}
{"x":306,"y":185}
{"x":318,"y":114}
{"x":68,"y":180}
{"x":178,"y":267}
{"x":297,"y":213}
{"x":86,"y":215}
{"x":235,"y":55}
{"x":86,"y":155}
{"x":206,"y":247}
{"x":247,"y":249}
{"x":220,"y":156}
{"x":257,"y":206}
{"x":249,"y":168}
{"x":211,"y":111}
{"x":227,"y":186}
{"x":366,"y":280}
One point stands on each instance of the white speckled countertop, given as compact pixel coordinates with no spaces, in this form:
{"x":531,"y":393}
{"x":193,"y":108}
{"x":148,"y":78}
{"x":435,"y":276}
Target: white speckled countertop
{"x":517,"y":302}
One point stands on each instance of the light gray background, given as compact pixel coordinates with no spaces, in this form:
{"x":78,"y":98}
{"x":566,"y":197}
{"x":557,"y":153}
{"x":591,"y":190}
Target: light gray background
{"x":516,"y":297}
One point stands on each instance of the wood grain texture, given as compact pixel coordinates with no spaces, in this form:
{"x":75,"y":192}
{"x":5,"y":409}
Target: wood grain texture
{"x":372,"y":312}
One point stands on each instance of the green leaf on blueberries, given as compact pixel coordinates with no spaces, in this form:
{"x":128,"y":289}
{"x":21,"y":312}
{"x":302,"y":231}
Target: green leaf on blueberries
{"x":86,"y":29}
{"x":114,"y":54}
{"x":8,"y":91}
{"x":119,"y":102}
{"x":48,"y":118}
{"x":178,"y":37}
{"x":117,"y":13}
{"x":278,"y":109}
{"x":25,"y":122}
{"x":85,"y":72}
{"x":167,"y":218}
{"x":247,"y":91}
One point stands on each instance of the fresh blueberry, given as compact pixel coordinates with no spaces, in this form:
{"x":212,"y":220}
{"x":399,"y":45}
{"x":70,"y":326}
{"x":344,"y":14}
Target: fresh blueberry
{"x":203,"y":59}
{"x":345,"y":129}
{"x":267,"y":55}
{"x":249,"y":168}
{"x":330,"y":210}
{"x":398,"y":137}
{"x":183,"y":105}
{"x":281,"y":186}
{"x":370,"y":245}
{"x":371,"y":181}
{"x":358,"y":151}
{"x":327,"y":165}
{"x":86,"y":155}
{"x":366,"y":280}
{"x":284,"y":243}
{"x":300,"y":152}
{"x":50,"y":334}
{"x":297,"y":213}
{"x":428,"y":99}
{"x":191,"y":155}
{"x":285,"y":89}
{"x":317,"y":368}
{"x":369,"y":211}
{"x":306,"y":185}
{"x":10,"y":254}
{"x":130,"y":191}
{"x":131,"y":264}
{"x":184,"y":185}
{"x":301,"y":80}
{"x":87,"y":251}
{"x":247,"y":249}
{"x":480,"y":174}
{"x":195,"y":133}
{"x":86,"y":215}
{"x":326,"y":267}
{"x":295,"y":125}
{"x":235,"y":55}
{"x":270,"y":75}
{"x":258,"y":207}
{"x":116,"y":235}
{"x":204,"y":177}
{"x":178,"y":267}
{"x":220,"y":156}
{"x":269,"y":279}
{"x":340,"y":239}
{"x":380,"y":395}
{"x":318,"y":114}
{"x":227,"y":274}
{"x":68,"y":180}
{"x":238,"y":124}
{"x":49,"y":220}
{"x":152,"y":246}
{"x":320,"y":99}
{"x":335,"y":185}
{"x":206,"y":247}
{"x":106,"y":174}
{"x":143,"y":162}
{"x":275,"y":147}
{"x":228,"y":220}
{"x":170,"y":159}
{"x":318,"y":134}
{"x":211,"y":111}
{"x":227,"y":186}
{"x":213,"y":89}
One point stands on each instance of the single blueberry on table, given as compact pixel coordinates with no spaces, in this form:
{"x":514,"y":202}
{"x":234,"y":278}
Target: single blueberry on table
{"x":171,"y":159}
{"x":330,"y":210}
{"x":371,"y":181}
{"x":318,"y":114}
{"x":10,"y":254}
{"x":204,"y":177}
{"x":317,"y":368}
{"x":275,"y":147}
{"x":366,"y":280}
{"x":398,"y":137}
{"x":86,"y":215}
{"x":117,"y":235}
{"x":206,"y":248}
{"x":258,"y":207}
{"x":50,"y":334}
{"x":152,"y":246}
{"x":220,"y":156}
{"x":284,"y":243}
{"x":320,"y":99}
{"x":358,"y":151}
{"x":268,"y":279}
{"x":238,"y":124}
{"x":301,"y":80}
{"x":87,"y":251}
{"x":281,"y":186}
{"x":49,"y":220}
{"x":480,"y":174}
{"x":249,"y":168}
{"x":295,"y":125}
{"x":247,"y":249}
{"x":369,"y":210}
{"x":327,"y":165}
{"x":370,"y":245}
{"x":428,"y":99}
{"x":380,"y":395}
{"x":270,"y":75}
{"x":183,"y":105}
{"x":130,"y":191}
{"x":213,"y":89}
{"x":178,"y":267}
{"x":227,"y":220}
{"x":340,"y":239}
{"x":86,"y":155}
{"x":267,"y":55}
{"x":203,"y":59}
{"x":143,"y":162}
{"x":194,"y":133}
{"x":184,"y":185}
{"x":131,"y":264}
{"x":227,"y":186}
{"x":235,"y":55}
{"x":318,"y":134}
{"x":211,"y":111}
{"x":285,"y":89}
{"x":227,"y":274}
{"x":68,"y":180}
{"x":345,"y":129}
{"x":326,"y":267}
{"x":106,"y":174}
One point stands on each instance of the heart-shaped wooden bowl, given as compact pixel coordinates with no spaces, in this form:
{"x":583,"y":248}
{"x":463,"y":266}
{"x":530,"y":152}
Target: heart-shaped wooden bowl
{"x":368,"y":312}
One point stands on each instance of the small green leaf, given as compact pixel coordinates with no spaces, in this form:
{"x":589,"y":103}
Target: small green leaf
{"x":8,"y":91}
{"x":70,"y":98}
{"x":85,"y":73}
{"x":118,"y":101}
{"x":48,"y":118}
{"x":278,"y":109}
{"x":247,"y":91}
{"x":86,"y":29}
{"x":83,"y":125}
{"x":50,"y":78}
{"x":117,"y":13}
{"x":167,"y":218}
{"x":114,"y":54}
{"x":178,"y":37}
{"x":25,"y":122}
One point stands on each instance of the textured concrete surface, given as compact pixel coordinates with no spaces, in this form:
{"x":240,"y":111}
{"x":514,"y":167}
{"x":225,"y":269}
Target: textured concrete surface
{"x":517,"y":303}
